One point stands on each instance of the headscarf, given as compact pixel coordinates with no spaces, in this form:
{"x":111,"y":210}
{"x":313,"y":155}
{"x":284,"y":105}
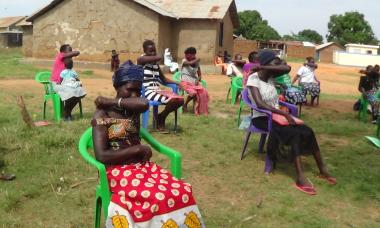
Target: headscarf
{"x":266,"y":57}
{"x":128,"y":72}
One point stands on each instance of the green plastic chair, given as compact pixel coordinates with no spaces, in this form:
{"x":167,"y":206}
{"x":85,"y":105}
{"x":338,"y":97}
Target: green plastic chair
{"x":44,"y":79}
{"x":102,"y":193}
{"x":375,"y":140}
{"x":177,"y":78}
{"x":235,"y":89}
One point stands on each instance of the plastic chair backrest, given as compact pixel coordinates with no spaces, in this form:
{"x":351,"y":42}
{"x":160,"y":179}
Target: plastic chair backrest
{"x":86,"y":142}
{"x":284,"y":80}
{"x":237,"y":82}
{"x":44,"y":78}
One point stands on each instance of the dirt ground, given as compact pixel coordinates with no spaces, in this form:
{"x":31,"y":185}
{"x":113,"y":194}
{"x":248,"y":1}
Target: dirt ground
{"x":335,"y":80}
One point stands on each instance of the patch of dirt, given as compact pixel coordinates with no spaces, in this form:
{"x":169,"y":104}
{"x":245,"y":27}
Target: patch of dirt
{"x":334,"y":80}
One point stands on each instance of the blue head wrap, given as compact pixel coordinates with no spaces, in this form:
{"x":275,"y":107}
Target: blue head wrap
{"x":128,"y":72}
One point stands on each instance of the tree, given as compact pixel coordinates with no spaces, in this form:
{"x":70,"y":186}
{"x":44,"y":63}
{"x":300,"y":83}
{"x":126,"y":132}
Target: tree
{"x":310,"y":35}
{"x":304,"y":35}
{"x":253,"y":27}
{"x":350,"y":28}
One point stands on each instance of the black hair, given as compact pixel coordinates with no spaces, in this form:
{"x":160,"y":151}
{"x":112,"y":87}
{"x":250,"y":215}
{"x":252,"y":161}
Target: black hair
{"x":190,"y":50}
{"x":253,"y":56}
{"x":63,"y":47}
{"x":68,"y":63}
{"x":309,"y":58}
{"x":148,"y":43}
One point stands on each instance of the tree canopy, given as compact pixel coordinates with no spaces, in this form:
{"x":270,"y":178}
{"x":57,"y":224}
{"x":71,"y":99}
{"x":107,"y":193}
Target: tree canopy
{"x":253,"y":27}
{"x":350,"y":28}
{"x":305,"y":35}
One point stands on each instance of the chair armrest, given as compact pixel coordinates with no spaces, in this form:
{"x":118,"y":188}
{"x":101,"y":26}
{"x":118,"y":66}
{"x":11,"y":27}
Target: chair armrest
{"x":174,"y":156}
{"x":84,"y":143}
{"x":173,"y":86}
{"x":293,"y":108}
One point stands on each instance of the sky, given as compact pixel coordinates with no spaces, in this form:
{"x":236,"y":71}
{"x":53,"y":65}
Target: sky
{"x":286,"y":16}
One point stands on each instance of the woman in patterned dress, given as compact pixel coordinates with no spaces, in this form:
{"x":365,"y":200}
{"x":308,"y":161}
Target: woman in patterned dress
{"x":153,"y":77}
{"x":307,"y":79}
{"x":143,"y":194}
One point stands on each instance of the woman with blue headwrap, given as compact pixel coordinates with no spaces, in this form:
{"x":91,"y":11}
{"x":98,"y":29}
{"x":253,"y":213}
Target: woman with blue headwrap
{"x":143,"y":194}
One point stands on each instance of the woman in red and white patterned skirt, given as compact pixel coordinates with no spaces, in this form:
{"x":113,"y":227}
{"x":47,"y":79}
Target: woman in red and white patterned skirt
{"x":143,"y":194}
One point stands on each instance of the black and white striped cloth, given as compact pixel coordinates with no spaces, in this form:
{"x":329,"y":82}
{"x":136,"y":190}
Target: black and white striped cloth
{"x":151,"y":83}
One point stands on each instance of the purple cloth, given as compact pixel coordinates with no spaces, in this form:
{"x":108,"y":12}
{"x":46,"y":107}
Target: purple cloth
{"x":247,"y":69}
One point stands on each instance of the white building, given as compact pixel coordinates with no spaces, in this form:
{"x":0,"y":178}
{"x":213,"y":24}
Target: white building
{"x":357,"y":55}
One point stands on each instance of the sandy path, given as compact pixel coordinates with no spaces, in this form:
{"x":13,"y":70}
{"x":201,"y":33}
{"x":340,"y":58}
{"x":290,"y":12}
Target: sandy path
{"x":334,"y":80}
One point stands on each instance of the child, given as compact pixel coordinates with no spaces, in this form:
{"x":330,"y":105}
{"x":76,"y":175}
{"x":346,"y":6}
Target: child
{"x":190,"y":81}
{"x":153,"y":77}
{"x":115,"y":61}
{"x":69,"y":76}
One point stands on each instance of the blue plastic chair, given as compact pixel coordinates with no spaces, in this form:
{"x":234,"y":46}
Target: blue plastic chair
{"x":154,"y":105}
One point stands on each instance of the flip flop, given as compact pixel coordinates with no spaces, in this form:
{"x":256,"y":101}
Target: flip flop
{"x":306,"y":189}
{"x":163,"y":131}
{"x":7,"y":177}
{"x":330,"y":180}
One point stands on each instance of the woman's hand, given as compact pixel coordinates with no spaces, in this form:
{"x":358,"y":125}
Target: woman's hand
{"x":290,"y":119}
{"x":103,"y":102}
{"x":147,"y":153}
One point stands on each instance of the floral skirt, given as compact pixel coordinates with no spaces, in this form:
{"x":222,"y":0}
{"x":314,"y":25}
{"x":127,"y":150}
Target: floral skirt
{"x":145,"y":195}
{"x":311,"y":88}
{"x":294,"y":96}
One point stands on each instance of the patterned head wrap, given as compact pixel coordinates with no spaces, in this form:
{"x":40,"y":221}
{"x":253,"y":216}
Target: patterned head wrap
{"x":128,"y":72}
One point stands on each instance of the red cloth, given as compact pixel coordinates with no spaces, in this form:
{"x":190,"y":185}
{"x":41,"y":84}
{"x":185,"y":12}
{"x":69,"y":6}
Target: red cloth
{"x":147,"y":190}
{"x":58,"y":67}
{"x":201,"y":107}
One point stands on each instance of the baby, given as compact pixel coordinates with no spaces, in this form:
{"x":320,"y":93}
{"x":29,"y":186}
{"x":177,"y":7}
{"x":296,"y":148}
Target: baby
{"x":69,"y":76}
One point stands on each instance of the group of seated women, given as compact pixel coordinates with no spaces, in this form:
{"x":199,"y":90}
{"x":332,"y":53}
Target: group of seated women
{"x":147,"y":195}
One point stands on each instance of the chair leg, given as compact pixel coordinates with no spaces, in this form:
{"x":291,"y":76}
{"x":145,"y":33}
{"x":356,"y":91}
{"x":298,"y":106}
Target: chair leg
{"x":245,"y":145}
{"x":44,"y":113}
{"x":98,"y":212}
{"x":175,"y":120}
{"x":239,"y":112}
{"x":57,"y":106}
{"x":228,"y":95}
{"x":262,"y":142}
{"x":145,"y":118}
{"x":299,"y":110}
{"x":233,"y":95}
{"x":80,"y":109}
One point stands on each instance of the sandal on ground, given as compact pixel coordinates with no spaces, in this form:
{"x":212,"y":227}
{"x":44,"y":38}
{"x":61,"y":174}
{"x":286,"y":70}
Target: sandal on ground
{"x":7,"y":177}
{"x":306,"y":189}
{"x":330,"y":180}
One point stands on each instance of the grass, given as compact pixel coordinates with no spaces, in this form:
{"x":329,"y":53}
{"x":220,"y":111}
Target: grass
{"x":229,"y":192}
{"x":11,"y":68}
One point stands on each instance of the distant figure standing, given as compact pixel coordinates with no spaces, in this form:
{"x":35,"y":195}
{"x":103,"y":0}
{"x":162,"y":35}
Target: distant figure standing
{"x":115,"y":61}
{"x":168,"y":61}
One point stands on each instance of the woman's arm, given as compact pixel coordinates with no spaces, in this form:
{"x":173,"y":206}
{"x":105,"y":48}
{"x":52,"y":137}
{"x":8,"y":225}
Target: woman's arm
{"x":71,"y":54}
{"x":199,"y":72}
{"x":135,"y":104}
{"x":262,"y":105}
{"x":108,"y":156}
{"x":295,"y":78}
{"x":148,"y":59}
{"x":187,"y":63}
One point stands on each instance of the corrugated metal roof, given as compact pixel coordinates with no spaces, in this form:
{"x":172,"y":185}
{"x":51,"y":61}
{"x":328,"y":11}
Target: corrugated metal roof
{"x":323,"y":45}
{"x":24,"y":23}
{"x":9,"y":21}
{"x":194,"y":9}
